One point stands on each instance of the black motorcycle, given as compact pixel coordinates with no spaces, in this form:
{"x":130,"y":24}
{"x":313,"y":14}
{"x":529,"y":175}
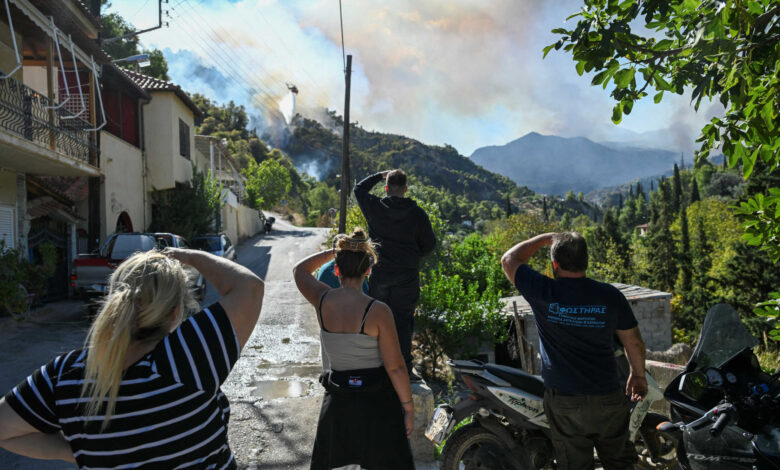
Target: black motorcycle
{"x":726,"y":410}
{"x":509,"y":428}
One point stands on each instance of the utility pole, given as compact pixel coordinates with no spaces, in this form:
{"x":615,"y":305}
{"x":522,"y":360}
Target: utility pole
{"x":345,"y":176}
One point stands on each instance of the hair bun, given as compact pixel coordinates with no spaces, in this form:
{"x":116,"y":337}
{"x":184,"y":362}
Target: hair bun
{"x":359,"y":235}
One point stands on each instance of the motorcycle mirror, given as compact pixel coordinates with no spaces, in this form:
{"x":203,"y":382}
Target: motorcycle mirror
{"x":692,"y":385}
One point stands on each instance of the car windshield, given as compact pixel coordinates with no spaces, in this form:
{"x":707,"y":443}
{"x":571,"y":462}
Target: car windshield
{"x":723,"y":335}
{"x":122,"y":246}
{"x":206,"y":243}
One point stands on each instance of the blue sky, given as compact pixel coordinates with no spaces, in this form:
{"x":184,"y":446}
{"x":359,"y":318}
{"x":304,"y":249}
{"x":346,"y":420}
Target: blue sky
{"x":464,"y":72}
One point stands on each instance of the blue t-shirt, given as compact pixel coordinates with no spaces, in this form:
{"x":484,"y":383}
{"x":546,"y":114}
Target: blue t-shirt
{"x":327,"y":275}
{"x":576,"y":319}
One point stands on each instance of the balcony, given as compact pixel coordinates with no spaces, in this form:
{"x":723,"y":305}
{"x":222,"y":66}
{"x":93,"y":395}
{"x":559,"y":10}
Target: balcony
{"x":39,"y":140}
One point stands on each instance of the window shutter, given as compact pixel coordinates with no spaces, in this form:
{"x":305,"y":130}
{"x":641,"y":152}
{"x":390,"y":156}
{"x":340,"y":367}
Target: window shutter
{"x":7,"y":227}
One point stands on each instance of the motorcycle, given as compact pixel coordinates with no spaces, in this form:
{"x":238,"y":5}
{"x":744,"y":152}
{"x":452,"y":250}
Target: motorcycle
{"x":726,"y":409}
{"x":509,"y":429}
{"x":269,"y":222}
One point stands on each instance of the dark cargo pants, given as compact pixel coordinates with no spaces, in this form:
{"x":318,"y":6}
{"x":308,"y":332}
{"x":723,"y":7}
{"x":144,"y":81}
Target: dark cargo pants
{"x":401,"y":296}
{"x":580,"y":423}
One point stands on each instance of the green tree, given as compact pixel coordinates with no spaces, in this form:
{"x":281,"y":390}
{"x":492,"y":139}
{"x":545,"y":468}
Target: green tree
{"x":189,"y":209}
{"x":727,"y":51}
{"x":267,"y":183}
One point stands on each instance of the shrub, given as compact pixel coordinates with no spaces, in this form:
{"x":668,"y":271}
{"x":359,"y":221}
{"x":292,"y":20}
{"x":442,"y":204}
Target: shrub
{"x":454,"y":318}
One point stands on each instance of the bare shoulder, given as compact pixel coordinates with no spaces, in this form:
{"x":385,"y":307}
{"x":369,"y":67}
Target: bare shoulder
{"x":379,"y":318}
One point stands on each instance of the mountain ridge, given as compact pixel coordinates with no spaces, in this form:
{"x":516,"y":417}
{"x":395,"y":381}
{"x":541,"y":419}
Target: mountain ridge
{"x":551,"y":164}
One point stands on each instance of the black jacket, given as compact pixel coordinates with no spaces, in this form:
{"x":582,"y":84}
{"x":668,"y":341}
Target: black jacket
{"x":398,"y":225}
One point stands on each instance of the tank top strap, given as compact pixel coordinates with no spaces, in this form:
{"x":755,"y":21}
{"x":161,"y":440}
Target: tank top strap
{"x":365,"y":314}
{"x":319,"y":311}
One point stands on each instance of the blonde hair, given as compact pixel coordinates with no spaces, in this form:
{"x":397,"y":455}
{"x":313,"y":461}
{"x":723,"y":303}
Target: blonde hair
{"x":354,"y":253}
{"x":144,"y":291}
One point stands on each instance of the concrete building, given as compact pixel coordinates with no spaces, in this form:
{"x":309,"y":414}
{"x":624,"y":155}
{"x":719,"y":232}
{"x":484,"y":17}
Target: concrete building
{"x":48,"y":125}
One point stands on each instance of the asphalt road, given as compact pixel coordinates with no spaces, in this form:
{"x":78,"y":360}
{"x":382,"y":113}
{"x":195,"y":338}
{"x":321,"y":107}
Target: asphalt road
{"x":273,"y":388}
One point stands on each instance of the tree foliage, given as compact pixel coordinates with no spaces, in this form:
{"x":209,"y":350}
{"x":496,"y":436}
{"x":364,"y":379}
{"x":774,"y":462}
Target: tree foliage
{"x":267,"y":183}
{"x":189,"y":209}
{"x":724,"y":50}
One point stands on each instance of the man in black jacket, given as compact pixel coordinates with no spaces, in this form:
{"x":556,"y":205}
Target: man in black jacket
{"x":404,"y":235}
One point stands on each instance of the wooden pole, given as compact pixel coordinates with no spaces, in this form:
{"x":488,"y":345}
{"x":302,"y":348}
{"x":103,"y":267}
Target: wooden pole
{"x":345,"y":177}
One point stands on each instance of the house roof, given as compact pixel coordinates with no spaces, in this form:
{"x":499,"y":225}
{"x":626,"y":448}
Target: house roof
{"x":120,"y":73}
{"x":155,"y":84}
{"x":87,"y":12}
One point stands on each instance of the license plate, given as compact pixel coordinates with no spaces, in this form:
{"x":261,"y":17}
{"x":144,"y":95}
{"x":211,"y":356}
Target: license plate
{"x":441,"y":424}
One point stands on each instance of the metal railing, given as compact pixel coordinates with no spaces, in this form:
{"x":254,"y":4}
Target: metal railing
{"x":28,"y":114}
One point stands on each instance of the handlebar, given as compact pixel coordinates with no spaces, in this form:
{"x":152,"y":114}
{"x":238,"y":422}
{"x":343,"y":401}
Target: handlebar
{"x":720,"y":424}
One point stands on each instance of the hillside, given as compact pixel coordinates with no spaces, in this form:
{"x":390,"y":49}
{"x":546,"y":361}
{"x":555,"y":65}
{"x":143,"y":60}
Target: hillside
{"x":317,"y":150}
{"x":555,"y":165}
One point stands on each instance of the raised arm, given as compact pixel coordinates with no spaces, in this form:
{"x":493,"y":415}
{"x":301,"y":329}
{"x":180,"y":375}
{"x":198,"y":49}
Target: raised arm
{"x":636,"y":386}
{"x":241,"y":290}
{"x":382,"y":319}
{"x":363,"y":188}
{"x":307,"y":284}
{"x":521,"y":253}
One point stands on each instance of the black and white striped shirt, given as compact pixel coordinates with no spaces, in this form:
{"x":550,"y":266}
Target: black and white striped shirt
{"x":170,"y":412}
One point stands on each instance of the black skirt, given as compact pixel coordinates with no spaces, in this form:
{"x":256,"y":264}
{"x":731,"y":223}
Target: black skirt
{"x":361,"y":423}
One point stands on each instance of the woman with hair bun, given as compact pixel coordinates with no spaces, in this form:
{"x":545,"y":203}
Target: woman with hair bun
{"x":144,"y":392}
{"x":367,"y":412}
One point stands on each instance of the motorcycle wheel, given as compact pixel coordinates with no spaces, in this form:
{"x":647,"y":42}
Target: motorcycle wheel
{"x":473,"y":447}
{"x":666,"y":443}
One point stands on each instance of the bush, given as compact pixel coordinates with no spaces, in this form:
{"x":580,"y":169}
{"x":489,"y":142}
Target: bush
{"x":18,"y":277}
{"x":454,"y":318}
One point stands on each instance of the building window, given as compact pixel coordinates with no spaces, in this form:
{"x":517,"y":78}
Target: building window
{"x":184,"y":139}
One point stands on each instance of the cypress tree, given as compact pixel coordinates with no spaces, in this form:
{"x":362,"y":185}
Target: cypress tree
{"x":676,"y":190}
{"x":685,"y":252}
{"x":695,"y":191}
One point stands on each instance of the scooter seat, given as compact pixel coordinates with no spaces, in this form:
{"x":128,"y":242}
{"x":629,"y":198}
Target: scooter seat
{"x":532,"y":384}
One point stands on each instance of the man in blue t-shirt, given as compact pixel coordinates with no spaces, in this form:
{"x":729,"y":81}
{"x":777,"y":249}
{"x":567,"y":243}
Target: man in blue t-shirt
{"x":577,"y":319}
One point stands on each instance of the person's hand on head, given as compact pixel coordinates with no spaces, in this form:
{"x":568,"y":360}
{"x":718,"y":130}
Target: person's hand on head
{"x":179,"y":254}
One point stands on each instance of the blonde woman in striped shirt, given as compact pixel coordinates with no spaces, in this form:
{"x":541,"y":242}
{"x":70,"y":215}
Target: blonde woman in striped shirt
{"x":145,"y":390}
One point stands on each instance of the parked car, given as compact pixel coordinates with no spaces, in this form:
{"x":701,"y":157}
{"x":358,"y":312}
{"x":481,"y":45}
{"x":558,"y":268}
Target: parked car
{"x":219,"y":245}
{"x":90,"y":272}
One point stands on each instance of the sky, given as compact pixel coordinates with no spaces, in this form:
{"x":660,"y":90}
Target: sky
{"x":468,"y":73}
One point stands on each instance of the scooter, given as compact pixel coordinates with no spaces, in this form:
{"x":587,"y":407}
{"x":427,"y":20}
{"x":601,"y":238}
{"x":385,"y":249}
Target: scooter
{"x":726,"y":409}
{"x":509,"y":429}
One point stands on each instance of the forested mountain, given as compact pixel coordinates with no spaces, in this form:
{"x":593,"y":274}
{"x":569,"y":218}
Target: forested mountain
{"x":554,"y":165}
{"x":317,"y":150}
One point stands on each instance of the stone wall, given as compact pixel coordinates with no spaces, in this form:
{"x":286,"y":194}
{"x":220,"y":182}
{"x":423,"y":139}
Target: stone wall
{"x":655,"y":321}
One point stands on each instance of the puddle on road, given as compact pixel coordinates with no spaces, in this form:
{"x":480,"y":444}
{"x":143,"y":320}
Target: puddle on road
{"x":271,"y":389}
{"x":291,"y":370}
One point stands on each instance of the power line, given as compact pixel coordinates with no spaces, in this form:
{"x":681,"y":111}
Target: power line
{"x":217,"y":55}
{"x":227,"y":70}
{"x":312,"y":82}
{"x":227,"y":51}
